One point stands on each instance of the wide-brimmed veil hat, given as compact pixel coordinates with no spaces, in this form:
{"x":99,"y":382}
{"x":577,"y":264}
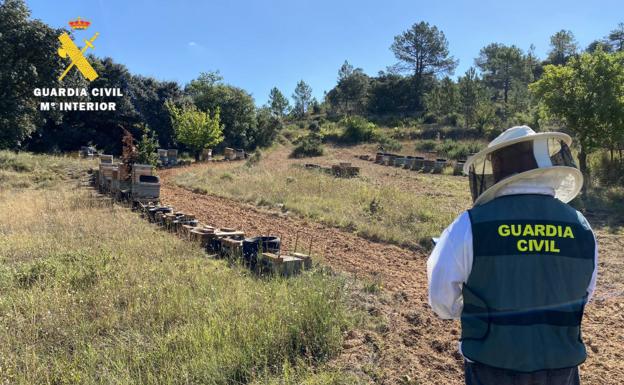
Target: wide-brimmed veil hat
{"x":521,"y":156}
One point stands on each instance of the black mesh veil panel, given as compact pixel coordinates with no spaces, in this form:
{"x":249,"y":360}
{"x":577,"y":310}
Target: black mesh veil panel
{"x":516,"y":158}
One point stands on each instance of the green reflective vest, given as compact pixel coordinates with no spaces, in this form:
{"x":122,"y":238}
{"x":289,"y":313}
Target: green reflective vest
{"x":524,"y":298}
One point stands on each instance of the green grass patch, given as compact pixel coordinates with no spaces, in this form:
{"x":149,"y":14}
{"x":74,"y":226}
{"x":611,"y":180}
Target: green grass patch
{"x":26,"y":170}
{"x":376,"y":211}
{"x":96,"y":295}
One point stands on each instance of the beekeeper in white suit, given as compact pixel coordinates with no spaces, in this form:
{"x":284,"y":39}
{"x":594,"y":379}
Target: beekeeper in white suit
{"x":520,"y":265}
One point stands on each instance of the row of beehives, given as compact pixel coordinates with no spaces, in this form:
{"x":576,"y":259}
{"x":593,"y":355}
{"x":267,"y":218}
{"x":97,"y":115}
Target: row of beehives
{"x":134,"y":183}
{"x":341,"y":170}
{"x":169,"y":158}
{"x":416,"y":163}
{"x":261,"y":254}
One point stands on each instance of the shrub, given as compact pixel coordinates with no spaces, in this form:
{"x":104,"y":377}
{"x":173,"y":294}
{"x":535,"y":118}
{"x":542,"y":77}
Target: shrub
{"x":357,"y":129}
{"x":608,"y":172}
{"x":452,"y":149}
{"x":314,"y":126}
{"x":388,"y":143}
{"x":308,"y":146}
{"x":254,"y":159}
{"x":458,"y":150}
{"x":426,"y":145}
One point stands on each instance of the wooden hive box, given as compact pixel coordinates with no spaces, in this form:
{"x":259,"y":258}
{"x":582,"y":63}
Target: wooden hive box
{"x":231,"y":248}
{"x":202,"y":235}
{"x":285,"y":265}
{"x":229,"y":153}
{"x":307,"y":260}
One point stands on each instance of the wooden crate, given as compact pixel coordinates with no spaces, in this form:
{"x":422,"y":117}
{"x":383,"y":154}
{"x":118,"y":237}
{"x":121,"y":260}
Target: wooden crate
{"x":231,"y":248}
{"x":284,"y":265}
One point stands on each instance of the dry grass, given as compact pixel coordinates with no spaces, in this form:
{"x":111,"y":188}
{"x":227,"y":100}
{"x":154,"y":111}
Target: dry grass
{"x":386,"y":204}
{"x":25,"y":170}
{"x":95,"y":295}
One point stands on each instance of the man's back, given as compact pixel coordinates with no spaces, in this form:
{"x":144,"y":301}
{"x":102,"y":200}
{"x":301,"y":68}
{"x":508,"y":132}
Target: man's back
{"x":533,"y":260}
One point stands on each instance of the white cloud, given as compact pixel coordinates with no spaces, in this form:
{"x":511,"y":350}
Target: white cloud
{"x":192,"y":44}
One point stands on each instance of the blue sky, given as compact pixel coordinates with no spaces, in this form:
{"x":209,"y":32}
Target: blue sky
{"x":257,"y":45}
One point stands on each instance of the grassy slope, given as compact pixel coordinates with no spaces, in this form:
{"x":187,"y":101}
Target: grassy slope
{"x":95,"y":295}
{"x":391,"y":212}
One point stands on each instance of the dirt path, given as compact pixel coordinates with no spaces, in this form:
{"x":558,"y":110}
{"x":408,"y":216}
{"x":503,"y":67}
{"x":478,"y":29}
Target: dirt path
{"x":410,"y":345}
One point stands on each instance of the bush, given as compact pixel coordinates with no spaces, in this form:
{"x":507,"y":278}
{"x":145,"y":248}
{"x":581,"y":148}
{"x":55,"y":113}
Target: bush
{"x":426,"y":145}
{"x":308,"y":146}
{"x":357,"y":129}
{"x":609,"y":172}
{"x":458,"y":150}
{"x":314,"y":126}
{"x":452,"y":149}
{"x":388,"y":143}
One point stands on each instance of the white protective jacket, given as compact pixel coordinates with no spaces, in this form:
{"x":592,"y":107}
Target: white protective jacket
{"x":450,"y":262}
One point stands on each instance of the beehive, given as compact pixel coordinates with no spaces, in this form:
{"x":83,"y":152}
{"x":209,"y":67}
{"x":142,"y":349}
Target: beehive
{"x":231,"y":248}
{"x":439,"y":165}
{"x":459,"y":167}
{"x":172,"y":156}
{"x":285,"y":265}
{"x":229,"y":153}
{"x":106,"y":159}
{"x":201,"y":235}
{"x":106,"y":175}
{"x":141,"y":169}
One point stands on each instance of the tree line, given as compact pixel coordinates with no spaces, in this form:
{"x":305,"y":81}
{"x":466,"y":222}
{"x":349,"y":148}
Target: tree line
{"x":506,"y":85}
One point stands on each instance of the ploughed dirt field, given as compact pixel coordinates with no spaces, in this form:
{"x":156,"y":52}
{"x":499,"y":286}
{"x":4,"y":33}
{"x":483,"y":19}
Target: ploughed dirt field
{"x":408,"y":344}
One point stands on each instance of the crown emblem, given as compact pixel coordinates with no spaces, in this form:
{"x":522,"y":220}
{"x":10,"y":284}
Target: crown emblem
{"x":79,"y":23}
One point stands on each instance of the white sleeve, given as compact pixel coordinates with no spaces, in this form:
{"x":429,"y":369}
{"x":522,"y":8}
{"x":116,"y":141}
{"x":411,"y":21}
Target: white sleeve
{"x":449,"y":266}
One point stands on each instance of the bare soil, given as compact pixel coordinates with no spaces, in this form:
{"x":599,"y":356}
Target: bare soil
{"x":409,"y":344}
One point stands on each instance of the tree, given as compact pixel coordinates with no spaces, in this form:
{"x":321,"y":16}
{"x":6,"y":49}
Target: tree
{"x":604,"y":45}
{"x":269,"y":125}
{"x":390,"y":93}
{"x":443,"y":100}
{"x":148,"y":97}
{"x":278,"y":103}
{"x":472,"y":94}
{"x":587,"y":94}
{"x":236,"y":106}
{"x":423,"y":49}
{"x":616,"y":38}
{"x":501,"y":66}
{"x":349,"y":95}
{"x":195,"y":128}
{"x":148,"y":146}
{"x":28,"y":60}
{"x":563,"y":46}
{"x":302,"y":97}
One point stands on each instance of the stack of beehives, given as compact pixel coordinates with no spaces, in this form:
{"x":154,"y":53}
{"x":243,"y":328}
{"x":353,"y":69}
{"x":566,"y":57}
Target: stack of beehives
{"x":345,"y":170}
{"x":341,"y":170}
{"x":223,"y":242}
{"x":261,"y":254}
{"x":113,"y":178}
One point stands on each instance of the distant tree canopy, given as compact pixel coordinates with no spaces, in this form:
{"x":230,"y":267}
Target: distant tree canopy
{"x":423,"y":50}
{"x":302,"y":97}
{"x":350,"y":94}
{"x":278,"y":103}
{"x":587,"y":94}
{"x":195,"y":128}
{"x":27,"y":61}
{"x":578,"y":90}
{"x":238,"y":111}
{"x":563,"y":47}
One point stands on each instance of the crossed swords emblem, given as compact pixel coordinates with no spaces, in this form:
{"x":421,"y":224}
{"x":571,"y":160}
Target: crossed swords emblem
{"x":69,"y":49}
